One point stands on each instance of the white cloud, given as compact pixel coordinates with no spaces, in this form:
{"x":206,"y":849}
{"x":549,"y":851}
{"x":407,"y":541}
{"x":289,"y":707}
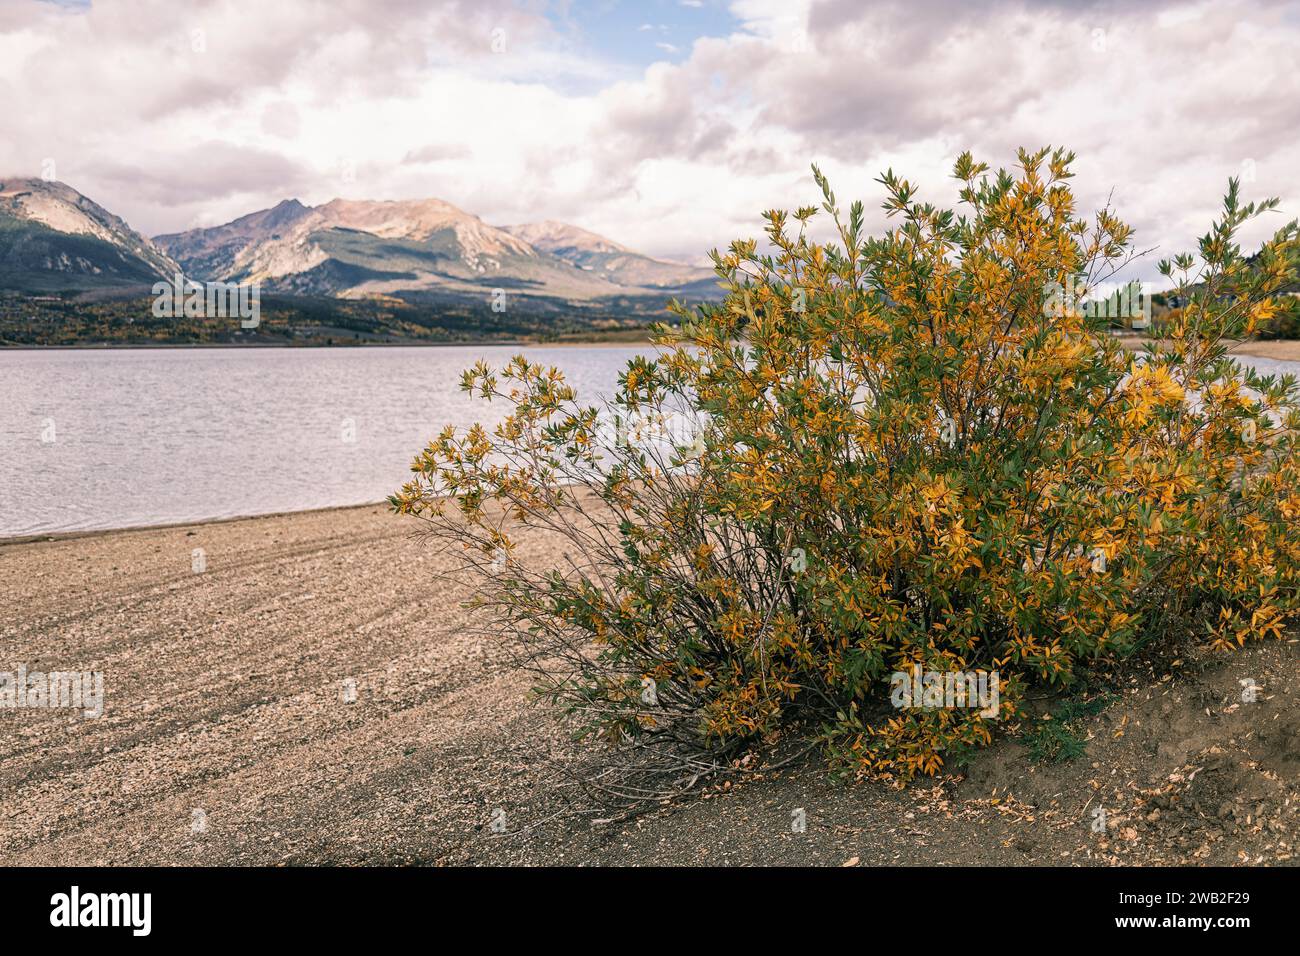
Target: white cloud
{"x":486,"y":104}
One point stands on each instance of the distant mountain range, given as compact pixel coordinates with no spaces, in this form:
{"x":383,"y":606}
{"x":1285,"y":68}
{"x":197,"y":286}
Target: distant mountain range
{"x":53,"y":239}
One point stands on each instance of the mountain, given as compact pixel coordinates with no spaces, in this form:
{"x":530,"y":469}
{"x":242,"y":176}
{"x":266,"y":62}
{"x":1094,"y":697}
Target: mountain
{"x":423,"y":248}
{"x":426,"y":251}
{"x":53,"y":239}
{"x":212,"y":253}
{"x":606,"y":258}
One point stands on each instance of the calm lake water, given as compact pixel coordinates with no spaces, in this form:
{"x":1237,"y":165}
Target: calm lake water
{"x":94,"y":439}
{"x":114,"y":438}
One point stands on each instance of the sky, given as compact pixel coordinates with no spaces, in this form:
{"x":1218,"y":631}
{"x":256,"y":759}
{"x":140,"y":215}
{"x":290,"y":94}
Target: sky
{"x":667,"y":125}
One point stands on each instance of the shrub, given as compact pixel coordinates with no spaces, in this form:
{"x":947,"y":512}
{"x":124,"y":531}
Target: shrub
{"x":909,"y":451}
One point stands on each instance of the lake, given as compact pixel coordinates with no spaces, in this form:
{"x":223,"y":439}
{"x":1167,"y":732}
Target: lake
{"x":113,"y":438}
{"x":93,"y":439}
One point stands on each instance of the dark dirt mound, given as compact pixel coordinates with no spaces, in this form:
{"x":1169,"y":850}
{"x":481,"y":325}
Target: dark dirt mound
{"x":1175,"y":771}
{"x":1201,"y":766}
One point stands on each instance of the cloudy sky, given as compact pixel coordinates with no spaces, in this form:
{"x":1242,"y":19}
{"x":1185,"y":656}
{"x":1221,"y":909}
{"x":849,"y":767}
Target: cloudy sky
{"x":665,"y":124}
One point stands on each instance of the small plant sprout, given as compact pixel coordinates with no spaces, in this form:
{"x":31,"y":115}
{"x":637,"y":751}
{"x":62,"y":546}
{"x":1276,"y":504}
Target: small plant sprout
{"x":1061,"y":736}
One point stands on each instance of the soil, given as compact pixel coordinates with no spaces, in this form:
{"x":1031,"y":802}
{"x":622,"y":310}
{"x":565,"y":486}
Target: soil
{"x":314,"y":696}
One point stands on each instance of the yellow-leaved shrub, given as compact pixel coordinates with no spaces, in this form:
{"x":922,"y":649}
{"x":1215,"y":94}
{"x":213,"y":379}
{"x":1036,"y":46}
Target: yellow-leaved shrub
{"x":879,"y":454}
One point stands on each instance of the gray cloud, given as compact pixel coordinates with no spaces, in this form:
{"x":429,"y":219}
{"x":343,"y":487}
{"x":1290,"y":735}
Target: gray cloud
{"x":437,"y":153}
{"x":204,"y":172}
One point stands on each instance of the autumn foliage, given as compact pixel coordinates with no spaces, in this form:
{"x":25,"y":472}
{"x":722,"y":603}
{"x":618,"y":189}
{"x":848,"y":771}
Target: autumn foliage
{"x":903,"y":457}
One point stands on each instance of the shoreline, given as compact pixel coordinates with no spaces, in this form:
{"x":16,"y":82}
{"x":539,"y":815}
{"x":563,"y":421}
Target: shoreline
{"x":1278,"y":350}
{"x":471,"y":343}
{"x":52,"y":536}
{"x":1281,"y":350}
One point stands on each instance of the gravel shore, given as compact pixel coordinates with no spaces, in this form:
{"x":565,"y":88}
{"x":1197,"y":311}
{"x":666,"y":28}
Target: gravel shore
{"x":315,"y":696}
{"x":1279,"y":350}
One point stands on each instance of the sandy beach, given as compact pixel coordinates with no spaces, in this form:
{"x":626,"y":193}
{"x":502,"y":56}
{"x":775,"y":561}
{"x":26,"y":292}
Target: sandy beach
{"x":315,"y":696}
{"x":1279,"y":350}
